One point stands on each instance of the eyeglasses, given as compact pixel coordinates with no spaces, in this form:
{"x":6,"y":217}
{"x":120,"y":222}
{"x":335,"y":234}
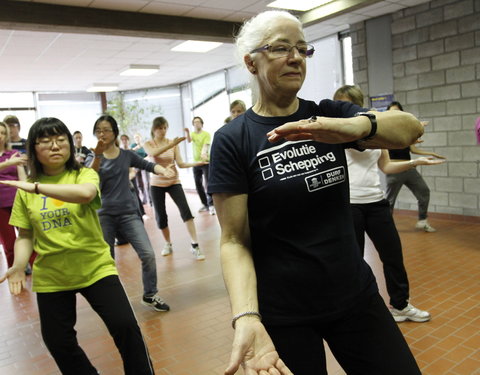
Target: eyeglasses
{"x":48,"y":142}
{"x":283,"y":50}
{"x":104,"y":131}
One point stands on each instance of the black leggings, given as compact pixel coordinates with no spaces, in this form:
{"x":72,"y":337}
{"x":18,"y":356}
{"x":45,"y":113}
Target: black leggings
{"x":376,"y":220}
{"x":366,"y":341}
{"x":107,"y":297}
{"x":178,"y":196}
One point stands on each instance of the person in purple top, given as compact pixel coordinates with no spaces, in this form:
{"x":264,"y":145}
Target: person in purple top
{"x":11,"y":168}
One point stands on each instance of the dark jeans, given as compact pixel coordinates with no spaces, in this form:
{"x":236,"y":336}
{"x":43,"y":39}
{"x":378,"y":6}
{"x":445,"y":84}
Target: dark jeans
{"x":107,"y":297}
{"x":413,"y":181}
{"x":133,"y":230}
{"x":200,"y":174}
{"x":367,"y":341}
{"x":376,"y":220}
{"x":178,"y":196}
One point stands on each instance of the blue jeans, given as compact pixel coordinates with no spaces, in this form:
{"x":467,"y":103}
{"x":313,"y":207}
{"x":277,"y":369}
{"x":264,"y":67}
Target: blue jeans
{"x":132,"y":228}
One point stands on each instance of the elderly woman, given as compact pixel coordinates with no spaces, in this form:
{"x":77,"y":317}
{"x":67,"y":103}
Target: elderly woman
{"x":291,"y":264}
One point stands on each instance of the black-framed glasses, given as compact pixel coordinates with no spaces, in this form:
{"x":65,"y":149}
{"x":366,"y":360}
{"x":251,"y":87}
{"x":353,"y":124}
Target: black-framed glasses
{"x":278,"y":50}
{"x":104,"y":131}
{"x":48,"y":142}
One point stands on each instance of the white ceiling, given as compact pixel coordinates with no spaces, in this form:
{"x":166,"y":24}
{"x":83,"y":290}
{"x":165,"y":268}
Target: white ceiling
{"x":53,"y":61}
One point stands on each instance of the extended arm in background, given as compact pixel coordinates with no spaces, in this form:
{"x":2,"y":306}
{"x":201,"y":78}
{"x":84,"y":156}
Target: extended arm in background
{"x":152,"y":150}
{"x":388,"y":166}
{"x":182,"y":164}
{"x":415,"y":150}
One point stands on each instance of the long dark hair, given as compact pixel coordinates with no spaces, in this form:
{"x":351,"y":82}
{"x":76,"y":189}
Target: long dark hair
{"x":110,"y":120}
{"x":46,"y":127}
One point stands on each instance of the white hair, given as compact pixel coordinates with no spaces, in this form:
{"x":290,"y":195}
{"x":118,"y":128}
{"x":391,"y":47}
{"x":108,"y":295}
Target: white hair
{"x":255,"y":31}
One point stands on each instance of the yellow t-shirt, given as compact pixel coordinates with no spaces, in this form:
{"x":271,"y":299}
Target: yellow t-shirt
{"x":199,"y":140}
{"x":67,"y":237}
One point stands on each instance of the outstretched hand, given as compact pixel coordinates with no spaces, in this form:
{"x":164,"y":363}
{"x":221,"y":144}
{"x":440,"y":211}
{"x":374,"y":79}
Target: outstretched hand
{"x":178,"y":140}
{"x":16,"y":280}
{"x":428,"y":161}
{"x":29,"y":187}
{"x":320,"y":129}
{"x":253,"y":349}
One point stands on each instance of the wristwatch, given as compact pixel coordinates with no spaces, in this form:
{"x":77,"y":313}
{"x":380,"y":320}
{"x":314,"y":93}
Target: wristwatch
{"x":373,"y":122}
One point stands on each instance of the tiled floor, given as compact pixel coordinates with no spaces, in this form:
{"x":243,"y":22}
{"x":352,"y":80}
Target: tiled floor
{"x":194,"y":338}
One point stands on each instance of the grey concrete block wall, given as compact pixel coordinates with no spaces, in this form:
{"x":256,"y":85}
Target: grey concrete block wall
{"x":436,"y":72}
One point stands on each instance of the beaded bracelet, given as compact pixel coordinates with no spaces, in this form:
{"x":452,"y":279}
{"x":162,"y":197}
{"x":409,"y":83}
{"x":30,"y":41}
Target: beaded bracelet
{"x":238,"y":316}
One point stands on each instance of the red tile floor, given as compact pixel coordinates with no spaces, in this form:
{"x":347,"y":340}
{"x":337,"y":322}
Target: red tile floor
{"x":194,"y":338}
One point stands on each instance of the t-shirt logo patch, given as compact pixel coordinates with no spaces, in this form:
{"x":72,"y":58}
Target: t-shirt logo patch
{"x":325,"y":179}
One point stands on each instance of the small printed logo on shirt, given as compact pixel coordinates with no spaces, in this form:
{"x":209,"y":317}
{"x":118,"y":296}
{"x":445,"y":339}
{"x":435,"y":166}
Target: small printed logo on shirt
{"x":325,"y":178}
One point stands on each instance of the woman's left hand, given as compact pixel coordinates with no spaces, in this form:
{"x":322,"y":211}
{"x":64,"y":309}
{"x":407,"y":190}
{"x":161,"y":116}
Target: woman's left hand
{"x":29,"y":187}
{"x":320,"y":129}
{"x":16,"y":279}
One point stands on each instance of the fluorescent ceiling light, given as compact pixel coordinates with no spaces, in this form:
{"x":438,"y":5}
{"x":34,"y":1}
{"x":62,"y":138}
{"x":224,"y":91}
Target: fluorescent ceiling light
{"x":103,"y":87}
{"x":140,"y":70}
{"x":301,"y":5}
{"x":196,"y":46}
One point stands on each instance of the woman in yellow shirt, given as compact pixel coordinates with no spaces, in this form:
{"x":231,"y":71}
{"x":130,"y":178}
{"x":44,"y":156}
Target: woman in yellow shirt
{"x":55,"y":211}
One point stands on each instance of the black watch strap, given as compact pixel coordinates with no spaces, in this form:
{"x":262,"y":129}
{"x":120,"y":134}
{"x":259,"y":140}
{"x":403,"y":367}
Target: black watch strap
{"x":373,"y":122}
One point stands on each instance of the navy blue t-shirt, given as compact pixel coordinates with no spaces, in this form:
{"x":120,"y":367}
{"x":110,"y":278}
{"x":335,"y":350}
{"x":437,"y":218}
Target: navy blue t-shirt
{"x":306,"y":258}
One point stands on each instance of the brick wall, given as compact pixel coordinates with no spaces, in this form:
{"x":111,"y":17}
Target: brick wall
{"x":436,"y":69}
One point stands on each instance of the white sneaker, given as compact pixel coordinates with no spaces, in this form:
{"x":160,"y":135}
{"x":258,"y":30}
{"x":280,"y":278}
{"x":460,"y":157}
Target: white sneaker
{"x":410,"y":313}
{"x":423,"y":224}
{"x":198,"y":253}
{"x":212,"y":211}
{"x":167,"y":249}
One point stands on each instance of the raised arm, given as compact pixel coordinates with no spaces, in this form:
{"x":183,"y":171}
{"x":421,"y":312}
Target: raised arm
{"x":97,"y":155}
{"x":23,"y":250}
{"x":395,"y":129}
{"x":182,"y":164}
{"x":388,"y":166}
{"x":187,"y":133}
{"x":153,"y":150}
{"x":252,"y":345}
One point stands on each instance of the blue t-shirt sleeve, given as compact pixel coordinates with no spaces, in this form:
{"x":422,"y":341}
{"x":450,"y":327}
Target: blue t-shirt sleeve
{"x":227,"y":171}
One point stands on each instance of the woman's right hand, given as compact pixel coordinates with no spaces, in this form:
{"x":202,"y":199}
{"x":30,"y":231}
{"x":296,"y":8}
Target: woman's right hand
{"x":16,"y":279}
{"x":100,"y":147}
{"x":253,"y":349}
{"x":178,"y":140}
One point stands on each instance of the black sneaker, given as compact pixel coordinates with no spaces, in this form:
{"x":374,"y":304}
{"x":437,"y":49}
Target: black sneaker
{"x":156,"y":303}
